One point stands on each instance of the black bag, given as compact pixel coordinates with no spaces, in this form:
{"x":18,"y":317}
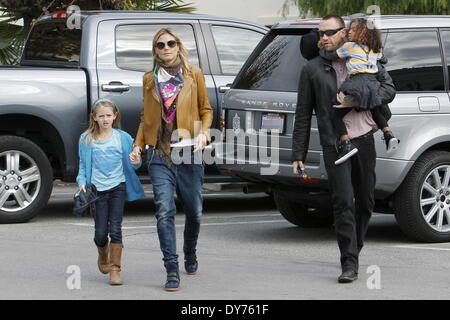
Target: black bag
{"x":84,"y":202}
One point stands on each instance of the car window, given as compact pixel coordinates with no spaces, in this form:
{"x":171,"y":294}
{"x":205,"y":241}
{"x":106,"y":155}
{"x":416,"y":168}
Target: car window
{"x":414,"y":61}
{"x":54,"y":42}
{"x":276,"y":68}
{"x":234,"y":45}
{"x":445,"y":36}
{"x":134,"y":45}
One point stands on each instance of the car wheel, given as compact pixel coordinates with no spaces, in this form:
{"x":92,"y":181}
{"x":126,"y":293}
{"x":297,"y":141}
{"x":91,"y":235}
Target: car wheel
{"x":26,"y":179}
{"x":422,"y":202}
{"x":301,"y":215}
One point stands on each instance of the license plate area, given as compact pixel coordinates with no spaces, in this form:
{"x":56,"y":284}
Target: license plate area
{"x":273,"y":122}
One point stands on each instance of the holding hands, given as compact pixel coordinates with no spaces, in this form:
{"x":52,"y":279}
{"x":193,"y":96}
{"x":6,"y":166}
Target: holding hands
{"x":135,"y":155}
{"x":201,"y":142}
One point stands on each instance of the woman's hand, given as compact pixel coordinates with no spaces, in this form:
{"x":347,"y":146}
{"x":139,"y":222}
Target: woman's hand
{"x":135,"y":156}
{"x":201,"y":142}
{"x":82,"y":188}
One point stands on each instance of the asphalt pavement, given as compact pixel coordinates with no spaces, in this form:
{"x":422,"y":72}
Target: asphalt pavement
{"x":246,"y":250}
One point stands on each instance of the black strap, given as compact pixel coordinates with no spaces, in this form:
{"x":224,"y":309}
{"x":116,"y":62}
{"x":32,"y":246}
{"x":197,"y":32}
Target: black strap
{"x":173,"y":276}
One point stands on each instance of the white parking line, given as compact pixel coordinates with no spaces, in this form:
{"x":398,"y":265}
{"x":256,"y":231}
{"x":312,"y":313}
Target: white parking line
{"x":218,"y":216}
{"x":182,"y":225}
{"x":420,"y":248}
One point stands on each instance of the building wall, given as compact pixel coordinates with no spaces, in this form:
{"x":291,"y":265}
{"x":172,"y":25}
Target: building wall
{"x":266,"y":12}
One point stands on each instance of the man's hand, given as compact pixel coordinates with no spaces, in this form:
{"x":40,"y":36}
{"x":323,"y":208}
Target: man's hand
{"x":135,"y":156}
{"x":82,"y":188}
{"x":345,"y":103}
{"x":201,"y":142}
{"x":298,"y":165}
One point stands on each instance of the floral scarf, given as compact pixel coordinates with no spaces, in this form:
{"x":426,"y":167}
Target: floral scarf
{"x":170,"y":82}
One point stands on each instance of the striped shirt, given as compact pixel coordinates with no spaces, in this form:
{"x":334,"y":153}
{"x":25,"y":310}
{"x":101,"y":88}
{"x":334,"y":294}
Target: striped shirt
{"x":107,"y":168}
{"x":359,"y":58}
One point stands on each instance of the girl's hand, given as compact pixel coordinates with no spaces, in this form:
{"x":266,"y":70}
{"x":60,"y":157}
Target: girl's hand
{"x":82,"y":188}
{"x":201,"y":142}
{"x":135,"y":156}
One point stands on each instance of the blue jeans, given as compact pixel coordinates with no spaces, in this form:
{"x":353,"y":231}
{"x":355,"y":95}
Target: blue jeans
{"x":109,"y":214}
{"x":186,"y":180}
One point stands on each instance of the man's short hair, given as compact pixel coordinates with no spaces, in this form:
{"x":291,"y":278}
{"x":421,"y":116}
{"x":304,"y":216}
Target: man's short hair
{"x":336,"y":17}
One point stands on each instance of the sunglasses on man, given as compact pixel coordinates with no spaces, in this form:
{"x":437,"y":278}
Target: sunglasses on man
{"x":170,"y":44}
{"x":330,"y":32}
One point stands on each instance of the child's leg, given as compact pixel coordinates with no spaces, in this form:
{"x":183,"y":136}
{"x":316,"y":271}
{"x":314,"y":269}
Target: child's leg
{"x":101,"y":220}
{"x":389,"y":138}
{"x":116,"y":204}
{"x":345,"y":147}
{"x":101,"y":232}
{"x":379,"y":119}
{"x":339,"y":124}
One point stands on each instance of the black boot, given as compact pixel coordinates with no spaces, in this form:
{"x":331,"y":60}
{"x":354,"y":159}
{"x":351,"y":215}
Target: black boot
{"x":345,"y":150}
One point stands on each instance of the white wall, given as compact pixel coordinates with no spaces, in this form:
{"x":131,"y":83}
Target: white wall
{"x":266,"y":12}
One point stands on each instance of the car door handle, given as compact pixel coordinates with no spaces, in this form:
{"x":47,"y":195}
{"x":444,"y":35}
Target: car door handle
{"x":115,"y":86}
{"x":223,"y":89}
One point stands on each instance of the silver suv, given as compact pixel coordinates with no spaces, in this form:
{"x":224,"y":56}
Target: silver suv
{"x":413,"y":184}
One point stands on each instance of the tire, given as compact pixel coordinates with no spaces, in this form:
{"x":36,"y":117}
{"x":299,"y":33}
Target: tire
{"x":26,"y":179}
{"x":422,"y":202}
{"x":301,"y":215}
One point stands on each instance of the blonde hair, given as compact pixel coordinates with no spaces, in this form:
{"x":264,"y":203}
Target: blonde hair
{"x":93,"y":129}
{"x":182,"y":51}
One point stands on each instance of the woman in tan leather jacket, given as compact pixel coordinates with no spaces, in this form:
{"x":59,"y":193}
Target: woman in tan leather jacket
{"x":176,"y":107}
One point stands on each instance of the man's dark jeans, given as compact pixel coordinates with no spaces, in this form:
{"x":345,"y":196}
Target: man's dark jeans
{"x":352,"y":185}
{"x":186,"y":180}
{"x":109,"y":214}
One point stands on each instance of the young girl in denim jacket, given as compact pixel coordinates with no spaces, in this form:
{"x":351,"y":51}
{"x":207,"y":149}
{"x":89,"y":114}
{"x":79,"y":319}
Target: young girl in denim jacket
{"x":104,"y":162}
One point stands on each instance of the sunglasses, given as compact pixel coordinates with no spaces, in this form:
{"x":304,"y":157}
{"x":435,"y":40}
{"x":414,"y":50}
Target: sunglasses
{"x":330,"y":32}
{"x":170,"y":44}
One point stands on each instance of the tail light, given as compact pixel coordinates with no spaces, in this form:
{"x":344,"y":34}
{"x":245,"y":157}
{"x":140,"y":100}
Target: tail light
{"x":60,"y":14}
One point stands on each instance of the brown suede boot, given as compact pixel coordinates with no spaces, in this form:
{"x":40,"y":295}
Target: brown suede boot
{"x":115,"y":254}
{"x":103,"y":259}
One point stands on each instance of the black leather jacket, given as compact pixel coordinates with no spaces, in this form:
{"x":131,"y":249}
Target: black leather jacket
{"x":317,"y":88}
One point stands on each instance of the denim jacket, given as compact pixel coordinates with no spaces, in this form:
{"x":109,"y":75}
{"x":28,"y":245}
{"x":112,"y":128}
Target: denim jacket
{"x":133,"y":185}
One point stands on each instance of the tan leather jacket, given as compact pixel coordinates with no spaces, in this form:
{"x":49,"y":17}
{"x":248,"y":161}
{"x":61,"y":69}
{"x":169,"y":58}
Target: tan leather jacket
{"x":194,"y":113}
